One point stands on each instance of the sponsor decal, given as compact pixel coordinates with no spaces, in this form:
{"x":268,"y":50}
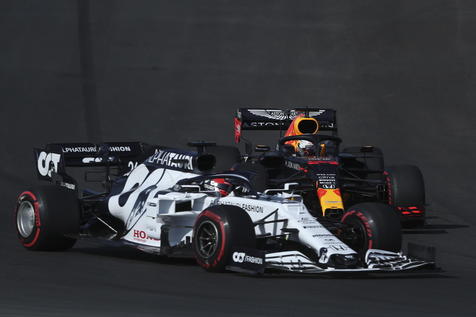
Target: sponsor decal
{"x":172,"y":159}
{"x":323,"y":258}
{"x":131,"y":165}
{"x":246,"y":207}
{"x":87,"y":160}
{"x":282,"y":115}
{"x":48,"y":162}
{"x":258,"y":124}
{"x":338,"y":247}
{"x":292,"y":165}
{"x":252,"y":208}
{"x":80,"y":149}
{"x":139,"y":207}
{"x":120,"y":149}
{"x":242,"y":257}
{"x":324,"y":160}
{"x":94,"y":149}
{"x":68,"y":185}
{"x":270,"y":114}
{"x":247,"y":260}
{"x":327,"y":181}
{"x":309,"y":221}
{"x":140,"y":235}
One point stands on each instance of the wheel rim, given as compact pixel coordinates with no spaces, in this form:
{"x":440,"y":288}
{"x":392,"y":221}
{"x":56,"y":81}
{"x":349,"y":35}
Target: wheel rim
{"x":207,"y":235}
{"x":359,"y":242}
{"x":25,"y":218}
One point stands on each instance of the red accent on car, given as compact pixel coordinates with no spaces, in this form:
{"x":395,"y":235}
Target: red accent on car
{"x":36,"y":207}
{"x":388,"y":182}
{"x":37,"y":235}
{"x":347,"y":214}
{"x":217,"y":218}
{"x":223,"y":238}
{"x":211,"y":215}
{"x":337,"y":192}
{"x":224,"y":187}
{"x":28,"y":193}
{"x":412,"y":210}
{"x":237,"y":130}
{"x":365,"y":222}
{"x":321,"y":192}
{"x":323,"y":162}
{"x":140,"y":234}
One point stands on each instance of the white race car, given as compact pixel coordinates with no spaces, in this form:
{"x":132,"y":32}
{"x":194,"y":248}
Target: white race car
{"x":169,"y":206}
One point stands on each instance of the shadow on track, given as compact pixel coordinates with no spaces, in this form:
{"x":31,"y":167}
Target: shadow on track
{"x":129,"y":253}
{"x":433,"y":229}
{"x":420,"y":274}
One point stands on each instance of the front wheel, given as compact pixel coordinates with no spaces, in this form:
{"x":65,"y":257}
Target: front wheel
{"x":372,"y":226}
{"x":217,"y":230}
{"x":47,"y":218}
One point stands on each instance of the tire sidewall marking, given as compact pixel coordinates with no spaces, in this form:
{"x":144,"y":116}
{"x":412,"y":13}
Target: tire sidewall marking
{"x":368,"y":229}
{"x":33,"y":238}
{"x":219,"y":222}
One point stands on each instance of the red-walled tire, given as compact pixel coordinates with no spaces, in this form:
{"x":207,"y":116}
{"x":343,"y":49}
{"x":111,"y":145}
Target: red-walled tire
{"x":217,"y":230}
{"x":375,"y":226}
{"x":47,"y":218}
{"x":405,"y":190}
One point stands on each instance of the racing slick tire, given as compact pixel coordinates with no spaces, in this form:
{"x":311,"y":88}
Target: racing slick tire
{"x":374,"y":226}
{"x":217,"y":230}
{"x":47,"y":218}
{"x":405,"y":191}
{"x":226,"y":157}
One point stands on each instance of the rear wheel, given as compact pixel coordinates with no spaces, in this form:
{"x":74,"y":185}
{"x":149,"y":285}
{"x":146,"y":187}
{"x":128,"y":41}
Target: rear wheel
{"x":217,"y":231}
{"x":373,"y":226}
{"x":405,"y":191}
{"x":47,"y":218}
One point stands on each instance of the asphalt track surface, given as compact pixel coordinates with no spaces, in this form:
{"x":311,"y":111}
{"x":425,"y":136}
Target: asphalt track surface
{"x":400,"y":73}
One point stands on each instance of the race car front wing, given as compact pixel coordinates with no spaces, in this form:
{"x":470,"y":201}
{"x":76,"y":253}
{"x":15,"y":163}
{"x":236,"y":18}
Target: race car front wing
{"x":375,"y":260}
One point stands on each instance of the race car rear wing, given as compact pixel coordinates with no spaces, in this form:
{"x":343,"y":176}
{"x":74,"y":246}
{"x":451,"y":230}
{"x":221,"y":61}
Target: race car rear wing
{"x":279,"y":119}
{"x":56,"y":156}
{"x":71,"y":164}
{"x":83,"y":164}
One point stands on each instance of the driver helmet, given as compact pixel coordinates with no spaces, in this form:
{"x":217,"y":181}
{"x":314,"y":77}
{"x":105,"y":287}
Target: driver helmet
{"x":299,"y":126}
{"x":305,"y":148}
{"x":221,"y":186}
